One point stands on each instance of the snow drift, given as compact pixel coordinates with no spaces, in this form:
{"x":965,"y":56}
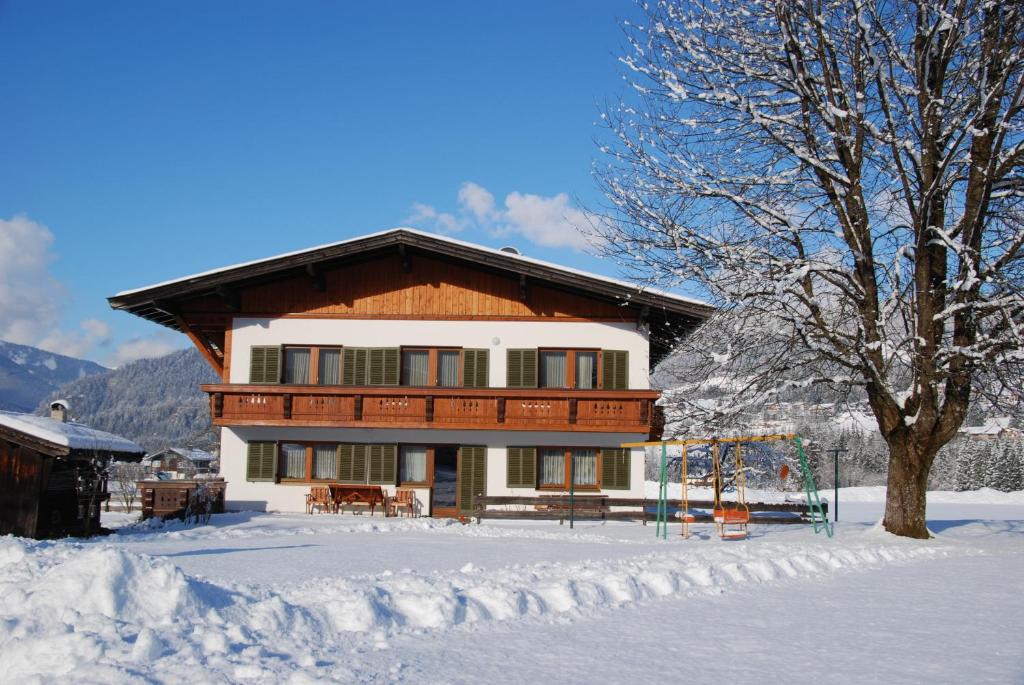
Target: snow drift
{"x":104,"y":614}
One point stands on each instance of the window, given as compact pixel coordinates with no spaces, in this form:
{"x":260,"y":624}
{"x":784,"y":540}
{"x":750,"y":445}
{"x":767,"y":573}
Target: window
{"x":293,"y":460}
{"x":297,"y":365}
{"x":585,"y":467}
{"x":579,"y":369}
{"x":416,"y":367}
{"x":553,"y":370}
{"x":448,"y":368}
{"x":329,"y":372}
{"x":586,"y":370}
{"x":413,"y":464}
{"x":554,"y":465}
{"x":307,"y":364}
{"x":325,"y":462}
{"x":435,"y":367}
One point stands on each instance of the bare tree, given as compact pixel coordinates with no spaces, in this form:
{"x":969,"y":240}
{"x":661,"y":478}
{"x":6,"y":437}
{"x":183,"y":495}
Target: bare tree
{"x":127,"y":476}
{"x":844,"y":179}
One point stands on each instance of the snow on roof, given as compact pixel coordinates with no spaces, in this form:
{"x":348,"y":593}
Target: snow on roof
{"x":71,"y":435}
{"x":190,"y":453}
{"x":434,"y":236}
{"x":993,"y":426}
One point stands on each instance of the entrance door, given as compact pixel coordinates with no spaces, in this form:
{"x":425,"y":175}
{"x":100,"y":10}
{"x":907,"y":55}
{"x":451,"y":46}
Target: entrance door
{"x":444,"y":496}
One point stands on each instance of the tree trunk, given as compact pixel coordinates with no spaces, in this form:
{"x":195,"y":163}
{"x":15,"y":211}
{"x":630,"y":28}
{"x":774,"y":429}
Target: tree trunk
{"x":906,"y":489}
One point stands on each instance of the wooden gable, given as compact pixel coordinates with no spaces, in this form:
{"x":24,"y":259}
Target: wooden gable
{"x":426,"y":288}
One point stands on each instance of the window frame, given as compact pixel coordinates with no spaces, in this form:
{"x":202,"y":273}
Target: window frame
{"x":566,"y":468}
{"x":314,"y":364}
{"x":433,"y":365}
{"x":570,"y":367}
{"x":429,"y":482}
{"x":310,"y":446}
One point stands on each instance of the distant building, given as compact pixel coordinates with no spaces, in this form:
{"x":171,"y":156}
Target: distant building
{"x":992,"y":429}
{"x":53,"y":473}
{"x":181,"y":460}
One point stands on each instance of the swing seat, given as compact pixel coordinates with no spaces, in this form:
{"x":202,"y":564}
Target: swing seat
{"x":729,"y":516}
{"x":688,"y":518}
{"x":734,"y":535}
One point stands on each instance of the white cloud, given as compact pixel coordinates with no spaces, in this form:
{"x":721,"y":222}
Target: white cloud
{"x":29,"y":294}
{"x":146,"y":347}
{"x":32,"y":299}
{"x":76,"y":344}
{"x":441,"y":221}
{"x":547,"y":221}
{"x":478,"y":200}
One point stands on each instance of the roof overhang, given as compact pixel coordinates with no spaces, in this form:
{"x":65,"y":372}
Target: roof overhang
{"x":669,"y":317}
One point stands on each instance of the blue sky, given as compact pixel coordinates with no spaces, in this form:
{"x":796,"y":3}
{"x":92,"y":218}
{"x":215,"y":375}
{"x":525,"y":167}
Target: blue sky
{"x":147,"y":141}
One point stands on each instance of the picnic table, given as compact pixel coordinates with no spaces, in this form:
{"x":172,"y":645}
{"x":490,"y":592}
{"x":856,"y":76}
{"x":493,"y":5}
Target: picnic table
{"x":344,"y":494}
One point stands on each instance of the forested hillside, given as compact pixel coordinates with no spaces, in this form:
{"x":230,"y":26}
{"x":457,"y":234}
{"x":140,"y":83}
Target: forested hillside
{"x":155,"y":402}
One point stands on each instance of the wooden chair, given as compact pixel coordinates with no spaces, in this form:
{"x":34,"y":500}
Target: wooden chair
{"x":320,"y":498}
{"x":404,"y":498}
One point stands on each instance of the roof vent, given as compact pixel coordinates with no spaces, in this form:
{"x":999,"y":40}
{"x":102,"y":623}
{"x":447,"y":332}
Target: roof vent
{"x":511,"y":250}
{"x":60,"y":410}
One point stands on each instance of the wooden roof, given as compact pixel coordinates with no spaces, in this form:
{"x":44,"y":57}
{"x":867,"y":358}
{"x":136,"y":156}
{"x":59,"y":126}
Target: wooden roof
{"x":668,"y":316}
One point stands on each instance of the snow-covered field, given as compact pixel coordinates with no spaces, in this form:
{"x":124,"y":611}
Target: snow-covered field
{"x":301,"y":599}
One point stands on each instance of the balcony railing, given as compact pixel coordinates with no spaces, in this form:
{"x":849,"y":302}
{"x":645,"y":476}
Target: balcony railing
{"x":621,"y":411}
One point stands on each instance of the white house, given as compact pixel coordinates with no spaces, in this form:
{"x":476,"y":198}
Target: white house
{"x":406,"y":359}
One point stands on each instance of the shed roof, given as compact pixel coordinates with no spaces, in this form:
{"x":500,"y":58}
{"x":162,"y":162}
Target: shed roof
{"x":59,"y":438}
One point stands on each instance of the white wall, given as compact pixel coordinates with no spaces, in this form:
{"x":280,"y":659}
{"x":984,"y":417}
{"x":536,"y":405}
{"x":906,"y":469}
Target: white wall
{"x":280,"y":497}
{"x":497,"y":336}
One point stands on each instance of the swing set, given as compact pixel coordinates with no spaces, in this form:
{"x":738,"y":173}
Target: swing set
{"x":730,"y":517}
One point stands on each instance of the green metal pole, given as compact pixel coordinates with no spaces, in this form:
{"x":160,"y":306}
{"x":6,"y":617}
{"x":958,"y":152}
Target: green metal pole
{"x":662,"y":528}
{"x":572,"y":490}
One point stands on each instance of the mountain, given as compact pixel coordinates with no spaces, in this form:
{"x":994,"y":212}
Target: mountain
{"x":155,"y":402}
{"x":28,"y":374}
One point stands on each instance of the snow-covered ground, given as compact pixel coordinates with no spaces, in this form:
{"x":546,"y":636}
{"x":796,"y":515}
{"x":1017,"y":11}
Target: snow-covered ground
{"x":300,"y":599}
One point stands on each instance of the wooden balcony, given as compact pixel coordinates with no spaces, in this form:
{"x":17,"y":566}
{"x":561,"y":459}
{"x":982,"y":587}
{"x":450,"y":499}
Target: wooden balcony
{"x":606,"y":411}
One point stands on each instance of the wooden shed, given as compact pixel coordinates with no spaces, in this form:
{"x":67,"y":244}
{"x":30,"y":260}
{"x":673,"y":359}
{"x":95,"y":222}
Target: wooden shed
{"x":53,"y":473}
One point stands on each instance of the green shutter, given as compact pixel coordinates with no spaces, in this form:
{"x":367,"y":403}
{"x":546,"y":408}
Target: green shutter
{"x":474,"y":368}
{"x":522,"y":467}
{"x":472,"y":476}
{"x":616,"y":369}
{"x":376,"y":365}
{"x":522,"y":369}
{"x":392,"y":365}
{"x":614,"y":468}
{"x":261,"y":461}
{"x":264,"y":364}
{"x":382,"y":366}
{"x":383,"y":467}
{"x":352,"y":463}
{"x":354,"y":370}
{"x":345,"y":463}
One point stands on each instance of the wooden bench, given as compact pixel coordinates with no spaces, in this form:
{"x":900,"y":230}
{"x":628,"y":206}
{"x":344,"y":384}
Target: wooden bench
{"x":549,"y":507}
{"x":582,"y":506}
